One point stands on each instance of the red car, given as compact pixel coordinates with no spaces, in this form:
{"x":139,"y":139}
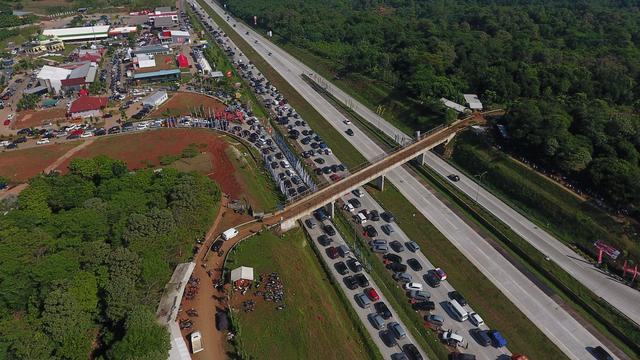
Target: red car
{"x":372,"y":294}
{"x":77,"y":132}
{"x":332,"y":252}
{"x":335,"y":177}
{"x":7,"y":122}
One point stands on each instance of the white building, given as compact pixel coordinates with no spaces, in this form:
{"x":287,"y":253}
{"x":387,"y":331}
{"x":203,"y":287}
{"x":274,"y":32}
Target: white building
{"x":85,"y":33}
{"x":204,"y":66}
{"x":155,"y":99}
{"x":453,"y":105}
{"x":242,"y":273}
{"x":473,"y":101}
{"x":51,"y":77}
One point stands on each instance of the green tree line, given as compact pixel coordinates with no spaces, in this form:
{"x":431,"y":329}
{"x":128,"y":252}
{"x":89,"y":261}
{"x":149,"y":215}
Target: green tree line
{"x":84,"y":258}
{"x":566,"y":71}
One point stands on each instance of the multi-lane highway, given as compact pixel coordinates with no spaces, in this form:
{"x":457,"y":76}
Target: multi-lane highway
{"x":619,"y":295}
{"x":572,"y":338}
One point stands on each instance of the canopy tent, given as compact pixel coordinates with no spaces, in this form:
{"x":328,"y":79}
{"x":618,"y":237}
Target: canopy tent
{"x":242,"y":273}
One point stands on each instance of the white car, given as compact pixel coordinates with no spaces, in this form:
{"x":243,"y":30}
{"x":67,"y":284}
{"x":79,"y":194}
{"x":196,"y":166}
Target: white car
{"x":476,"y":319}
{"x":347,"y":122}
{"x":142,"y":126}
{"x":43,"y":141}
{"x":413,"y":286}
{"x":10,"y":117}
{"x":5,"y":143}
{"x":358,"y":193}
{"x":86,"y":134}
{"x":348,"y":207}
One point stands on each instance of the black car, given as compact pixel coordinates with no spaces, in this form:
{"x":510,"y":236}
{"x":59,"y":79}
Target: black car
{"x":432,"y":279}
{"x":458,"y":297}
{"x":396,"y":267}
{"x":393,"y":258}
{"x":354,"y":265}
{"x":324,"y":240}
{"x":396,"y":246}
{"x":370,"y":231}
{"x":424,"y":305}
{"x":355,"y":202}
{"x":320,"y":214}
{"x":388,"y":338}
{"x":382,"y":310}
{"x":217,"y":245}
{"x":73,"y":136}
{"x":412,"y":352}
{"x":374,"y":215}
{"x":349,"y":132}
{"x":601,"y":354}
{"x":388,"y":217}
{"x":351,"y":282}
{"x":20,"y":140}
{"x":415,"y":265}
{"x":100,"y":132}
{"x":319,"y":160}
{"x":341,"y":268}
{"x":453,"y":177}
{"x":326,"y":170}
{"x":362,"y":280}
{"x":329,"y":230}
{"x":481,"y":336}
{"x":12,"y":146}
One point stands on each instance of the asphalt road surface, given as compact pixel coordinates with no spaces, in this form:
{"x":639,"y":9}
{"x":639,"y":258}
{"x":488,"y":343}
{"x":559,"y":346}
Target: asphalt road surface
{"x":572,"y":338}
{"x":602,"y":284}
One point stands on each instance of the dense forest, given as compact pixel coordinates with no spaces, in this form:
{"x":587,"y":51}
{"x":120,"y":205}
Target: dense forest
{"x":84,"y":258}
{"x":566,"y":71}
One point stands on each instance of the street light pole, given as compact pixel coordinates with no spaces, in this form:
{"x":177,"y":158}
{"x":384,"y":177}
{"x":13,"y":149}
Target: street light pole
{"x":479,"y":176}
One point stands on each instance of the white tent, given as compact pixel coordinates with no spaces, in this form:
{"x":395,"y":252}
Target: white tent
{"x":242,"y":273}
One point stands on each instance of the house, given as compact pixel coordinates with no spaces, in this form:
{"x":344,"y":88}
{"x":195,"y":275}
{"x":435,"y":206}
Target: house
{"x":156,"y":99}
{"x":472,"y":101}
{"x":87,"y":106}
{"x":453,"y":105}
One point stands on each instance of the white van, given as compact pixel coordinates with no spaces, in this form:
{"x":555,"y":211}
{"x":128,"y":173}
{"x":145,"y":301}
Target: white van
{"x":458,"y":311}
{"x":476,"y":319}
{"x":196,"y":342}
{"x":229,"y":234}
{"x":360,"y":218}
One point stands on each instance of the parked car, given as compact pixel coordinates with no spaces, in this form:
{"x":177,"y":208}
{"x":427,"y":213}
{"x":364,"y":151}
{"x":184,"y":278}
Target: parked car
{"x":370,"y":231}
{"x":363,"y":282}
{"x":481,"y":336}
{"x":387,"y":229}
{"x":402,"y":277}
{"x":310,"y":223}
{"x":412,"y":246}
{"x":458,"y":297}
{"x":412,"y":352}
{"x":397,"y":329}
{"x":395,"y":267}
{"x":393,"y":258}
{"x":397,"y":246}
{"x":413,"y":286}
{"x":432,"y":279}
{"x":341,"y":268}
{"x":358,"y":193}
{"x":382,"y":309}
{"x":376,"y":320}
{"x":475,"y":318}
{"x":354,"y":265}
{"x":372,"y":294}
{"x":388,"y":217}
{"x":43,"y":141}
{"x":363,"y":300}
{"x":414,"y":264}
{"x":374,"y":215}
{"x":329,"y":230}
{"x":324,"y":240}
{"x":351,"y":282}
{"x":497,"y":339}
{"x":355,"y":202}
{"x":434,"y":319}
{"x":424,"y":305}
{"x":332,"y":252}
{"x":441,"y":274}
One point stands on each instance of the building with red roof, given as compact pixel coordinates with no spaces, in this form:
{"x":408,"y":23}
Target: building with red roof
{"x":88,"y":106}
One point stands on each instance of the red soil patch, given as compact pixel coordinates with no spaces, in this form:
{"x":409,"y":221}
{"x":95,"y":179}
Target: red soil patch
{"x":21,"y":165}
{"x":34,"y":118}
{"x":184,"y":103}
{"x":142,"y":150}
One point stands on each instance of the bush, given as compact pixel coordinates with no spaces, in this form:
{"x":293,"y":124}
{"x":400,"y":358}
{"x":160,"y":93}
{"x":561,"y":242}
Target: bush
{"x":190,"y":151}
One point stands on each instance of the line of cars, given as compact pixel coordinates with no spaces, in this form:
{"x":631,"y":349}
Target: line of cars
{"x":370,"y":303}
{"x":406,"y":264}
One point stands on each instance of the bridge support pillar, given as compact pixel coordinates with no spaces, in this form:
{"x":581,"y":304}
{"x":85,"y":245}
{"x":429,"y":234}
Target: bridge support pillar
{"x":421,"y":159}
{"x":288,"y":225}
{"x":379,"y":182}
{"x":331,"y":209}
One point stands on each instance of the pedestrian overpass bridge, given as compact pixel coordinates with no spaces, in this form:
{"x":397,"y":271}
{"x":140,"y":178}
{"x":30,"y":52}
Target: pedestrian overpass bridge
{"x":292,"y":212}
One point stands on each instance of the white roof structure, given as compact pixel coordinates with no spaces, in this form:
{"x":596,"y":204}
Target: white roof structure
{"x":204,"y":65}
{"x":180,"y":33}
{"x":473,"y":101}
{"x":79,"y":33}
{"x":453,"y":105}
{"x":217,"y":74}
{"x":242,"y":273}
{"x":53,"y":76}
{"x":156,"y":98}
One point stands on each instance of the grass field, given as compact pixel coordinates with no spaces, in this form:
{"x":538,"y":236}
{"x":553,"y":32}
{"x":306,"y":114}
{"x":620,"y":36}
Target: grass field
{"x":19,"y":36}
{"x":315,"y":324}
{"x":342,"y":148}
{"x":497,"y":311}
{"x":186,"y":103}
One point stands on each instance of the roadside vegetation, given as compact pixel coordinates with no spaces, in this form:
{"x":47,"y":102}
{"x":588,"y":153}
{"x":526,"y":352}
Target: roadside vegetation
{"x":85,"y":257}
{"x":317,"y":321}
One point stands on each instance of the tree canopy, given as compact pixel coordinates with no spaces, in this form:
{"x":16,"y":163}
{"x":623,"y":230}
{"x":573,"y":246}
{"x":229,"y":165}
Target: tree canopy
{"x":84,"y":258}
{"x":568,"y":72}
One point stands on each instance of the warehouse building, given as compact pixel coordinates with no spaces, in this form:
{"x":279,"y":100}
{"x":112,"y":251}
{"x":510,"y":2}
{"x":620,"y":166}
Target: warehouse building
{"x":155,"y":67}
{"x":86,"y":33}
{"x":174,"y":37}
{"x":156,"y":99}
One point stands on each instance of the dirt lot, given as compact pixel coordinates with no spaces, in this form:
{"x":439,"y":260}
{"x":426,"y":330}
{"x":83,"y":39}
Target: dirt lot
{"x":35,"y":118}
{"x":141,"y":150}
{"x":184,"y":103}
{"x":21,"y":165}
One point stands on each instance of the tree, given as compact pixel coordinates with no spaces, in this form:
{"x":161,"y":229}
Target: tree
{"x":144,"y":338}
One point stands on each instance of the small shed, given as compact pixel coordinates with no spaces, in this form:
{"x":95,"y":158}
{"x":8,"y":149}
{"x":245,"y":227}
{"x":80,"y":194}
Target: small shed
{"x":242,"y":273}
{"x":473,"y":101}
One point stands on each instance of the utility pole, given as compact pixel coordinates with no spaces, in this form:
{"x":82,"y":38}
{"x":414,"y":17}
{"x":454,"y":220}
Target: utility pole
{"x":479,"y":176}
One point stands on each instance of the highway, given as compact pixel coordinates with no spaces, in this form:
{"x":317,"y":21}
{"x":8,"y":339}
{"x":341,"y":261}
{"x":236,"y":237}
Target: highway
{"x":619,"y":295}
{"x":572,"y":338}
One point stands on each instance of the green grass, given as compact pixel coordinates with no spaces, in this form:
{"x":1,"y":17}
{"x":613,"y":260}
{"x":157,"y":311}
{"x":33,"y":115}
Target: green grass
{"x":316,"y":323}
{"x":570,"y":219}
{"x":20,"y":36}
{"x":494,"y":307}
{"x":396,"y":297}
{"x":338,"y":144}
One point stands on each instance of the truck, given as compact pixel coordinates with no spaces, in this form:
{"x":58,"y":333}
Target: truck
{"x":196,"y":342}
{"x":229,"y":234}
